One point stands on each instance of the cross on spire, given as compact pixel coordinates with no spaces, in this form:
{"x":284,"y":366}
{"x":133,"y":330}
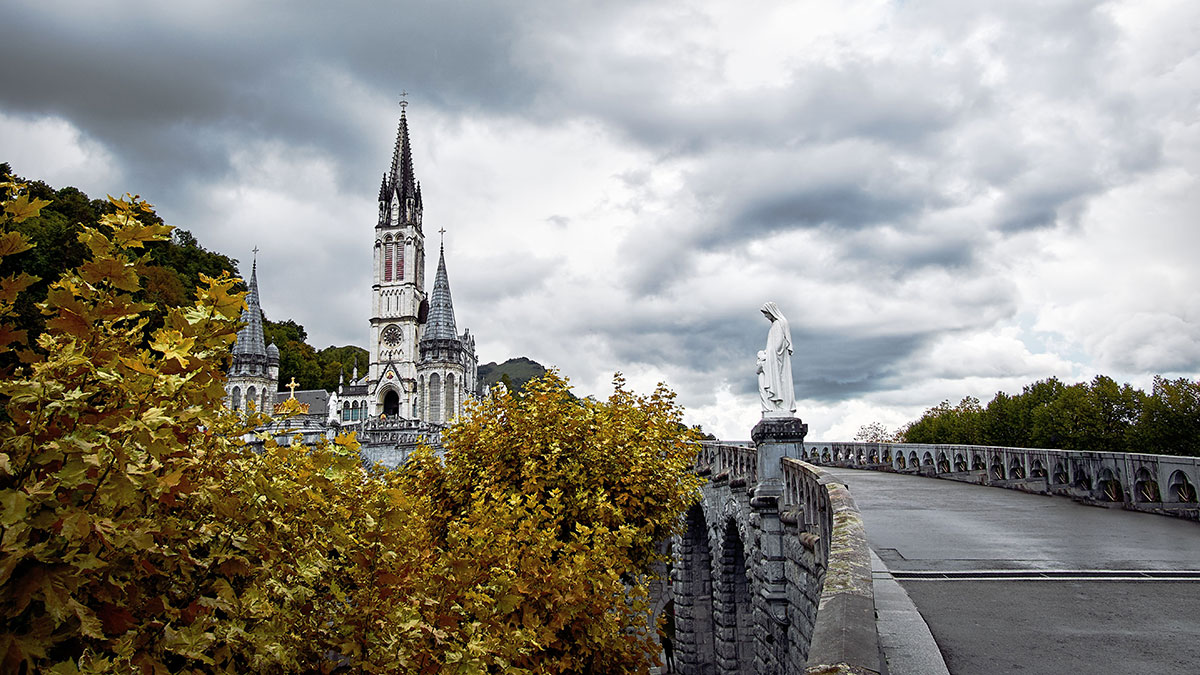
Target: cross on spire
{"x":255,"y":250}
{"x":442,"y":232}
{"x":404,"y":100}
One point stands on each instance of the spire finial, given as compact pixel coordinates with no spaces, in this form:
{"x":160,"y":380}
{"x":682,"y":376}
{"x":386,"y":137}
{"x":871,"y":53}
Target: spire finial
{"x":404,"y":101}
{"x":255,"y":263}
{"x":442,"y":244}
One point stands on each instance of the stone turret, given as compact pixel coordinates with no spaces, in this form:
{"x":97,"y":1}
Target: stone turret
{"x":447,"y":368}
{"x":253,"y":373}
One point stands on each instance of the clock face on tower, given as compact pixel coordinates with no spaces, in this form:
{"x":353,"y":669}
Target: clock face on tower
{"x":391,"y":335}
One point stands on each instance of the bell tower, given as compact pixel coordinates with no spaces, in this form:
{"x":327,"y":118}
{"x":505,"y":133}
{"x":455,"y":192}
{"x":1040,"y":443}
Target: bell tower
{"x":398,"y":302}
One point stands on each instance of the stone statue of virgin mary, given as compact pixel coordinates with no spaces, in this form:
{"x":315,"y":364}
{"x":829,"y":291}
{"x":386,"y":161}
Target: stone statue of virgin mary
{"x":775,"y":367}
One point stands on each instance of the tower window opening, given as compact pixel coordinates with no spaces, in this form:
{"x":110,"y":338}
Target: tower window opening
{"x":387,"y":262}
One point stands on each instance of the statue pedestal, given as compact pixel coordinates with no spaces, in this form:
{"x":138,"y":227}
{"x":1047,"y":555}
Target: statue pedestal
{"x":775,"y":438}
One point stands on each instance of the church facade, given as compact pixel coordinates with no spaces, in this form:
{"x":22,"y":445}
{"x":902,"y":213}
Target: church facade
{"x":421,"y":369}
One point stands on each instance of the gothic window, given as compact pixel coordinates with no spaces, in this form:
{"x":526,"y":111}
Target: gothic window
{"x":450,"y":409}
{"x":435,"y":398}
{"x":387,"y":261}
{"x":237,"y":398}
{"x":250,"y":398}
{"x":400,"y":261}
{"x":418,"y":411}
{"x":345,"y":411}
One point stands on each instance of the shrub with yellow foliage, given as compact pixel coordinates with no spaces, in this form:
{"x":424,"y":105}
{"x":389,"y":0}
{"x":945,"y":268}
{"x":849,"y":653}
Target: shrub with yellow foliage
{"x":138,"y":533}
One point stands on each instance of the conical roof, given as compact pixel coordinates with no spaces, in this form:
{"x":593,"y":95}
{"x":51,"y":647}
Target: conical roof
{"x":250,"y":337}
{"x":441,"y":307}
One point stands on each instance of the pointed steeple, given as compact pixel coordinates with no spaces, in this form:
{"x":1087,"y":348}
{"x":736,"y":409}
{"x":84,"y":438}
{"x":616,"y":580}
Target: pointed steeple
{"x":250,"y":338}
{"x":403,"y":182}
{"x":441,"y":307}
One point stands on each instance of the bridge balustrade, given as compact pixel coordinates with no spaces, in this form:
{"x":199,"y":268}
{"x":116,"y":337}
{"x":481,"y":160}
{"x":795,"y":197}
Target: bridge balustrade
{"x":1134,"y":481}
{"x":765,"y":549}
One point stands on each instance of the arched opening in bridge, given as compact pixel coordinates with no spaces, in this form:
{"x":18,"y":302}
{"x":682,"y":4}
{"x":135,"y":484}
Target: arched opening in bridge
{"x":977,"y":463}
{"x":694,"y":598}
{"x":1060,"y":474}
{"x":391,"y":403}
{"x":927,"y":460}
{"x":1182,"y":489}
{"x":1083,"y":480}
{"x":887,"y":455}
{"x":943,"y":463}
{"x":900,"y":461}
{"x":1016,"y":469}
{"x":735,"y":629}
{"x":1038,"y":470}
{"x":960,"y":462}
{"x":825,"y":457}
{"x":874,"y":456}
{"x":913,"y":461}
{"x":1146,"y":487}
{"x":1110,"y":487}
{"x":997,"y":468}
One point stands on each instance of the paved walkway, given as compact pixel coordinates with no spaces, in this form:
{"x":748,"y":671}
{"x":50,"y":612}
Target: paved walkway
{"x":1015,"y":583}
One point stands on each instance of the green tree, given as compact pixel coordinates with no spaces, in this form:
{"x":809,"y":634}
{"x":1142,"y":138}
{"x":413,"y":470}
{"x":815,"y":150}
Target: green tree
{"x":1169,"y":423}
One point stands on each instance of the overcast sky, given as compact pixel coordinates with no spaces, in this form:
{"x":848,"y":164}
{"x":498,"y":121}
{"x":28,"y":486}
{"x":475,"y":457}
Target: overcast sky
{"x":946,"y":198}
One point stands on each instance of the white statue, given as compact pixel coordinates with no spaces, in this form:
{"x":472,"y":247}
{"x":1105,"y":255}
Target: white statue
{"x":775,"y":387}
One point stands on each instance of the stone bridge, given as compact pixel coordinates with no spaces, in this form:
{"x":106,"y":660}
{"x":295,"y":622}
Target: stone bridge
{"x":1142,"y":482}
{"x":772,"y":540}
{"x":774,"y":571}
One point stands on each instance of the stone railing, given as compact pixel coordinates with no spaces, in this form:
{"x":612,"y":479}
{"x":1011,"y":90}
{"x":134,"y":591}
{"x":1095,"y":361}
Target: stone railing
{"x":777,"y":543}
{"x":823,"y":520}
{"x":1142,"y":482}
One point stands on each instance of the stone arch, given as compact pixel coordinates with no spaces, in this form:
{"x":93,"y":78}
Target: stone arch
{"x":1145,"y":488}
{"x":900,"y":462}
{"x":1016,"y":468}
{"x":927,"y":459}
{"x":825,"y":456}
{"x":913,"y":461}
{"x":943,"y":462}
{"x":874,"y":457}
{"x":997,"y":468}
{"x":1060,"y":474}
{"x":1037,"y":469}
{"x":733,"y":605}
{"x":1181,"y":489}
{"x":1083,"y":479}
{"x":887,"y":455}
{"x":960,"y":462}
{"x":236,"y":398}
{"x":391,"y":402}
{"x":251,"y":398}
{"x":1109,"y":486}
{"x":435,"y":398}
{"x":977,"y":463}
{"x":451,"y":391}
{"x":693,"y":591}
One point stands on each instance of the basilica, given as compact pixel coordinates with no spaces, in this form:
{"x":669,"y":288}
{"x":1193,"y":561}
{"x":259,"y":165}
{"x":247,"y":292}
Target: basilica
{"x":421,"y":369}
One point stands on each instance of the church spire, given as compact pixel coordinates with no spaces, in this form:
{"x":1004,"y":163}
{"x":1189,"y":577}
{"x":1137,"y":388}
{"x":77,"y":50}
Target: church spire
{"x":404,"y":184}
{"x":441,"y":307}
{"x":250,"y":338}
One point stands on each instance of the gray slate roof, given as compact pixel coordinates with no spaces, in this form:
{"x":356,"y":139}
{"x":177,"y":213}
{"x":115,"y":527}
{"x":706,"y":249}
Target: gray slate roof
{"x":441,"y":307}
{"x":250,"y":337}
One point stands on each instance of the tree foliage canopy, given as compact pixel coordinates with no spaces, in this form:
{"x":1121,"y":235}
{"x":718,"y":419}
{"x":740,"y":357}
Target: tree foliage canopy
{"x":1100,"y":416}
{"x":139,"y":533}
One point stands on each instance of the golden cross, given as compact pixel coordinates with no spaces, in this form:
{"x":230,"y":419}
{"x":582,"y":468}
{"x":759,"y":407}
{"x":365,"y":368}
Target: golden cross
{"x":292,"y":385}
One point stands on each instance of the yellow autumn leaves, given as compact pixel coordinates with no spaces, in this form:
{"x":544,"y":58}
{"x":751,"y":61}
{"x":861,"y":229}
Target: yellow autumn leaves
{"x":138,"y":533}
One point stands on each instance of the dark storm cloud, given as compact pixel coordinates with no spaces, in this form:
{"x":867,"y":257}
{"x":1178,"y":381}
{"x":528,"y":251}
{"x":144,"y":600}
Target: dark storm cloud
{"x":172,"y":96}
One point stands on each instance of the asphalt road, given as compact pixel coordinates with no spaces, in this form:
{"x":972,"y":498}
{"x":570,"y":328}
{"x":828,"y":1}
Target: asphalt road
{"x":1015,"y":583}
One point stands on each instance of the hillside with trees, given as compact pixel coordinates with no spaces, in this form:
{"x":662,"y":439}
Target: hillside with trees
{"x":1099,"y":416}
{"x":513,"y":373}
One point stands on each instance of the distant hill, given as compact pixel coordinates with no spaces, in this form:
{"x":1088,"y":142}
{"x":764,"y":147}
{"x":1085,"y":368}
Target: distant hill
{"x":518,"y":371}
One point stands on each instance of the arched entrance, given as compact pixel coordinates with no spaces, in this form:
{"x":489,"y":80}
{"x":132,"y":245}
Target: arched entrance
{"x":391,"y":403}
